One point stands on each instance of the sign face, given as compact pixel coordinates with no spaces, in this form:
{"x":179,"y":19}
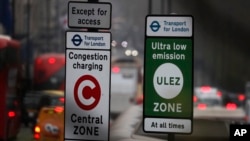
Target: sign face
{"x":87,"y":85}
{"x":89,"y":15}
{"x":171,"y":26}
{"x":168,"y":79}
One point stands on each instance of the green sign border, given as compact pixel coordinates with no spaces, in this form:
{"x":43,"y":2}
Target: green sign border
{"x":185,"y":66}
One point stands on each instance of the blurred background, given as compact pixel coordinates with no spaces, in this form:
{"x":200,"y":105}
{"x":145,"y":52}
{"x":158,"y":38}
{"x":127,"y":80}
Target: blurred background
{"x":220,"y":35}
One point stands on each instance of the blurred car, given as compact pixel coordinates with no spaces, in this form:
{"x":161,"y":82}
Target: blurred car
{"x":238,"y":99}
{"x":207,"y":96}
{"x":209,"y":103}
{"x":50,"y":124}
{"x":125,"y":80}
{"x":35,"y":100}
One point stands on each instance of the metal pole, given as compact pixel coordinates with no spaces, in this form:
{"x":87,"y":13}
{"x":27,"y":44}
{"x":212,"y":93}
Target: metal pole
{"x":149,"y":6}
{"x":169,"y":10}
{"x":162,"y":6}
{"x":171,"y":137}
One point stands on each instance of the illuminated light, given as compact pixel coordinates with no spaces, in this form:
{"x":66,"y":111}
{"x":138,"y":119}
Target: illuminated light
{"x":11,"y":114}
{"x":58,"y":109}
{"x":115,"y":69}
{"x":195,"y":98}
{"x":62,"y":99}
{"x":114,"y":43}
{"x":134,"y":53}
{"x":37,"y":129}
{"x":205,"y":88}
{"x":139,"y":99}
{"x":51,"y":60}
{"x":36,"y":136}
{"x":202,"y":106}
{"x":241,"y":97}
{"x":124,"y":44}
{"x":231,"y":106}
{"x":219,"y":93}
{"x":128,"y":52}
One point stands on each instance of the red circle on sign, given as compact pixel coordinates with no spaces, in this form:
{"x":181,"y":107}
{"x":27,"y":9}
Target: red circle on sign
{"x":90,"y":93}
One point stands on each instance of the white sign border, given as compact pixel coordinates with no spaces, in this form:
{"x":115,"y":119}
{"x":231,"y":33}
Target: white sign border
{"x":90,"y":27}
{"x":108,"y":49}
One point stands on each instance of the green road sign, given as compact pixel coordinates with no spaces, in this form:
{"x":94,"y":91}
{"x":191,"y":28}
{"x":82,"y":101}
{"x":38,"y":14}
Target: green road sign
{"x":168,"y":74}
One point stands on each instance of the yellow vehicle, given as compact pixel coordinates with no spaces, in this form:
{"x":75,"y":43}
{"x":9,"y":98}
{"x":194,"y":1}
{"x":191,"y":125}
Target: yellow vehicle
{"x":50,"y":124}
{"x":35,"y":100}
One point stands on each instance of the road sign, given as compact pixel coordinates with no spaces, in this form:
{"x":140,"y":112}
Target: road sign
{"x":171,"y":26}
{"x":89,"y":15}
{"x":87,"y":85}
{"x":168,"y":79}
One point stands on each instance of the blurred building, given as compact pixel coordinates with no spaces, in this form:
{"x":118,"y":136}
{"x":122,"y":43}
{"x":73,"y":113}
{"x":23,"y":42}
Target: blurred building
{"x":38,"y":23}
{"x":220,"y":40}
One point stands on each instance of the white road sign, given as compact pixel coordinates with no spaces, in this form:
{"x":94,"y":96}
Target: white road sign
{"x":174,"y":26}
{"x":88,"y":40}
{"x":89,"y":15}
{"x":87,"y":86}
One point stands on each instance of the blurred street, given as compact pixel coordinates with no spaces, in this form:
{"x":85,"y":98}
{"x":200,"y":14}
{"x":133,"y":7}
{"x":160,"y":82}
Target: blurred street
{"x":25,"y":134}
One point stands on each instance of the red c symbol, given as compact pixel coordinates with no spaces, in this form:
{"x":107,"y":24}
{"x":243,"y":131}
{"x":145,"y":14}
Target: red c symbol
{"x":87,"y":92}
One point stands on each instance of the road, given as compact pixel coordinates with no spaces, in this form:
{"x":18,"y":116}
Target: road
{"x":128,"y":127}
{"x":25,"y":134}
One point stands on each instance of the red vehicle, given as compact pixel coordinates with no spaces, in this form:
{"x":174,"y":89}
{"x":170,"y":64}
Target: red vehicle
{"x":10,"y":80}
{"x":49,"y":72}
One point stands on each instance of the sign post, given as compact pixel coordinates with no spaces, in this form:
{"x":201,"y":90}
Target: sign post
{"x":88,"y":59}
{"x":168,"y":74}
{"x":87,"y":85}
